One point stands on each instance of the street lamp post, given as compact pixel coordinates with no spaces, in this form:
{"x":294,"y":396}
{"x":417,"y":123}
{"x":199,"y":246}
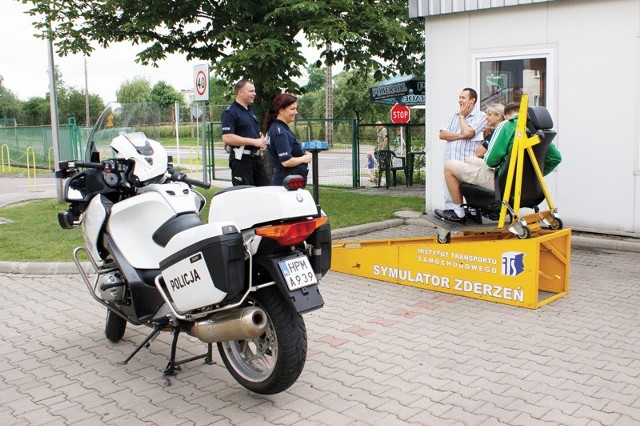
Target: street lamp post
{"x":55,"y":132}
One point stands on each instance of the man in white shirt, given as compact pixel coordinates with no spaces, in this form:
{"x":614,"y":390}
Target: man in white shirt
{"x":463,"y":132}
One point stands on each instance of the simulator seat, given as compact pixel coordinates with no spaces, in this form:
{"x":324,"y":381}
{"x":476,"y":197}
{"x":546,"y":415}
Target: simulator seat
{"x":482,"y":202}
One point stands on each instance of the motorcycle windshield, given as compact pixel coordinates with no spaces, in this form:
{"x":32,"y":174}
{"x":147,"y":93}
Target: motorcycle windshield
{"x":118,"y":119}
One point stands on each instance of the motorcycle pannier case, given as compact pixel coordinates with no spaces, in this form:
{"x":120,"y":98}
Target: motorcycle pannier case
{"x":207,"y":271}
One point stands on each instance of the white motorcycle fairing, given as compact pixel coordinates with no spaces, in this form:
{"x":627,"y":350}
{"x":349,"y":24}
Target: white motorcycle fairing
{"x":133,"y":221}
{"x":250,"y":206}
{"x":92,"y":221}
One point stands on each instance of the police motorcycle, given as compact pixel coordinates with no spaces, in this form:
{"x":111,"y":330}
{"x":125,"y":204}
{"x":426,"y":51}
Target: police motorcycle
{"x":242,"y":280}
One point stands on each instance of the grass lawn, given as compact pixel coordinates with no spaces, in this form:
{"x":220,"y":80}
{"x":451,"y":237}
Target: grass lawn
{"x":34,"y":233}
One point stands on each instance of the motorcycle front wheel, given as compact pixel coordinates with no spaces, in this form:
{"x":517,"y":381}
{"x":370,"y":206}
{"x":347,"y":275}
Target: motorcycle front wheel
{"x":114,"y":327}
{"x":272,"y":362}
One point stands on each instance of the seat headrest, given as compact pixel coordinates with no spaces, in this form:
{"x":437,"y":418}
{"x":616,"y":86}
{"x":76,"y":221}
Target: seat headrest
{"x":539,"y":118}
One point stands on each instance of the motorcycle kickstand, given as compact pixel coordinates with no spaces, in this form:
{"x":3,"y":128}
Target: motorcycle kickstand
{"x":173,"y":366}
{"x":145,"y":343}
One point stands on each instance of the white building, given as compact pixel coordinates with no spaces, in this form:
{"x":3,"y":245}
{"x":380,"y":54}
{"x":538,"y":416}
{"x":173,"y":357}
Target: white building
{"x":579,"y":58}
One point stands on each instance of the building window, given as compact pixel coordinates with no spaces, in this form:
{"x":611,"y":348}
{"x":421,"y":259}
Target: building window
{"x":504,"y":81}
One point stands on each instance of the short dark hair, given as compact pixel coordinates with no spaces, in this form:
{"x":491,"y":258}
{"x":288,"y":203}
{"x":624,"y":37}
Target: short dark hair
{"x":240,"y":84}
{"x":511,"y":107}
{"x":472,"y":93}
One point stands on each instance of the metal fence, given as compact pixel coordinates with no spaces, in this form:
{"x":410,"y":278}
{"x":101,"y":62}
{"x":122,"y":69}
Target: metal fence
{"x":344,"y":164}
{"x":406,"y":140}
{"x":33,"y":146}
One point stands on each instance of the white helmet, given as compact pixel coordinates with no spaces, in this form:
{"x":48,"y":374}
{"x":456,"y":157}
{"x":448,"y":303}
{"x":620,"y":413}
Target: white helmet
{"x":149,"y":156}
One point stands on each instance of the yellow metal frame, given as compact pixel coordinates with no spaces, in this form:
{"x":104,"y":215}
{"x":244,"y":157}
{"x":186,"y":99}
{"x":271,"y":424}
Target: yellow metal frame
{"x":29,"y":166}
{"x":193,"y":150}
{"x":50,"y":154}
{"x":2,"y":148}
{"x":522,"y":144}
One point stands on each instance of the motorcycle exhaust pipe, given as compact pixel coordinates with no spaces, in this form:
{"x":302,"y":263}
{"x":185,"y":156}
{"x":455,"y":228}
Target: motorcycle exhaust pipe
{"x":237,"y":324}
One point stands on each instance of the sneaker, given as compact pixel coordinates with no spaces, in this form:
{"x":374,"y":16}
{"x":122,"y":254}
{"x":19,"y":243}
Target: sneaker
{"x":449,"y":215}
{"x":473,"y":215}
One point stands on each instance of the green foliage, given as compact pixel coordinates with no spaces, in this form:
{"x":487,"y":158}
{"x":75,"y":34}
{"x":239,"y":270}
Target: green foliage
{"x":9,"y":103}
{"x":312,"y":105}
{"x":317,"y":79}
{"x":72,"y":103}
{"x":165,"y":95}
{"x":135,"y":91}
{"x":351,"y":98}
{"x":220,"y":92}
{"x":36,"y":111}
{"x":256,"y":39}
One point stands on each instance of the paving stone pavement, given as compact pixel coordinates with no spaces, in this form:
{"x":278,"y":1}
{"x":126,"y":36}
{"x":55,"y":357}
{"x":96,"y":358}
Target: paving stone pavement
{"x":379,"y":354}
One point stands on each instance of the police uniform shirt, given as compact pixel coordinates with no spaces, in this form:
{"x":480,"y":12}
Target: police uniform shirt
{"x":283,"y":145}
{"x":240,"y":121}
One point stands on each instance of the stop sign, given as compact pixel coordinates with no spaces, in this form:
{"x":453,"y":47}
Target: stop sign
{"x":400,"y":114}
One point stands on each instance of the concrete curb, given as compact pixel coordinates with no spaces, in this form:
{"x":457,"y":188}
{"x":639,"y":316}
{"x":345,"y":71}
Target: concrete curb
{"x":577,"y":241}
{"x":38,"y":268}
{"x":365,"y":228}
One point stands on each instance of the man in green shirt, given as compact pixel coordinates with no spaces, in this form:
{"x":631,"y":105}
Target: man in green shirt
{"x":482,"y":171}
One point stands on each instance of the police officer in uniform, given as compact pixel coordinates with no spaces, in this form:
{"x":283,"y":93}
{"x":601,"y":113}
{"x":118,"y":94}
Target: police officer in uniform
{"x":285,"y":151}
{"x":241,"y":133}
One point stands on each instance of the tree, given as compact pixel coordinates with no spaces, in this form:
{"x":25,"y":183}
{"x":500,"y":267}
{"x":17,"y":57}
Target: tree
{"x":36,"y":111}
{"x":165,"y":95}
{"x":257,"y":39}
{"x":9,"y":103}
{"x":311,"y":105}
{"x":317,"y":79}
{"x":351,"y":97}
{"x":73,"y":104}
{"x":137,"y":90}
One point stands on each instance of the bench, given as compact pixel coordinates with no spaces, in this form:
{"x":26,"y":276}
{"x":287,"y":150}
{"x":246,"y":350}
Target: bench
{"x":389,"y":163}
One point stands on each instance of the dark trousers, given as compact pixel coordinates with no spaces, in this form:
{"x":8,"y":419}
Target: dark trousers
{"x":248,"y":171}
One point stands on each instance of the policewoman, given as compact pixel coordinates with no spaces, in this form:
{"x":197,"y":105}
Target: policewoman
{"x":242,"y":138}
{"x":284,"y":150}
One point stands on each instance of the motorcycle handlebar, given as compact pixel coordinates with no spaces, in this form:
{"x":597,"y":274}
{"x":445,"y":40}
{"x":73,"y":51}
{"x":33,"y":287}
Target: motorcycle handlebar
{"x":90,"y":165}
{"x":181,"y":177}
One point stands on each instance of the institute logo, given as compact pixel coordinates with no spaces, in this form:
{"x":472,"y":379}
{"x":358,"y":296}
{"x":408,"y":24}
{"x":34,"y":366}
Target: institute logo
{"x":512,"y":263}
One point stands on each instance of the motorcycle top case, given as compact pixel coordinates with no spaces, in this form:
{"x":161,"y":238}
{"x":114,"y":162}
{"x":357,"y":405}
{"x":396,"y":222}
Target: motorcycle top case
{"x":204,"y":265}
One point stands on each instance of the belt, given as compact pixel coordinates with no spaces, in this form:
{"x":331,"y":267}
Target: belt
{"x":231,"y":150}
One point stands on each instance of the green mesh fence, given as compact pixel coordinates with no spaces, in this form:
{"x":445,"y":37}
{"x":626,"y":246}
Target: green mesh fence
{"x":22,"y":146}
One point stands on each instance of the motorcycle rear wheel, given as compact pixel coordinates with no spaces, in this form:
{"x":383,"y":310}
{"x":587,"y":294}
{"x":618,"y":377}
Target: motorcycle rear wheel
{"x":272,"y":362}
{"x":114,"y":327}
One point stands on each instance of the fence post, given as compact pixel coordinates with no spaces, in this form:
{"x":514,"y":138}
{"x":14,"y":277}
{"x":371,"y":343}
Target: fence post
{"x":8,"y":156}
{"x":355,"y":154}
{"x":49,"y":157}
{"x":211,"y":160}
{"x":35,"y":181}
{"x":192,"y":150}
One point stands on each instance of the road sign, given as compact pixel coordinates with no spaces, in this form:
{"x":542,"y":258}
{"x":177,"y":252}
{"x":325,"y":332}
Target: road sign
{"x":400,"y":114}
{"x":201,"y":82}
{"x":196,"y":111}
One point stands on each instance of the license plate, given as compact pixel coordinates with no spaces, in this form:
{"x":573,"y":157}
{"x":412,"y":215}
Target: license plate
{"x":297,"y":272}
